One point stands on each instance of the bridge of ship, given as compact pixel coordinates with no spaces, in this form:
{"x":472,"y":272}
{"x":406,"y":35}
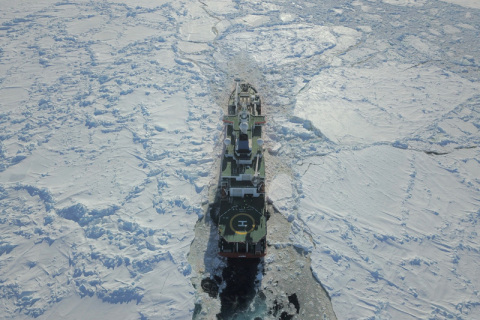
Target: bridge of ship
{"x":243,"y":158}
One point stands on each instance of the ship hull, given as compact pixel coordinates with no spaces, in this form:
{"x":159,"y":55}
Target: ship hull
{"x":242,"y":218}
{"x":242,"y":255}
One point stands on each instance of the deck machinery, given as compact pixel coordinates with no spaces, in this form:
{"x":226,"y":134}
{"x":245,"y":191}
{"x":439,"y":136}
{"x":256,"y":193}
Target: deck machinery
{"x":242,"y":216}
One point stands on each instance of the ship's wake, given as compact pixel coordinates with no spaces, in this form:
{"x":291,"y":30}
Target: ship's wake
{"x":240,"y":298}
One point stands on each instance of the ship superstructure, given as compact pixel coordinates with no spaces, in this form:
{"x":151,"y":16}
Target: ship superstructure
{"x":242,"y":216}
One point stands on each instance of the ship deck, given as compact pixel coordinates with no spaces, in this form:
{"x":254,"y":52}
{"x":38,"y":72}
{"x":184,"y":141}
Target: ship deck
{"x":243,"y":220}
{"x":229,"y":166}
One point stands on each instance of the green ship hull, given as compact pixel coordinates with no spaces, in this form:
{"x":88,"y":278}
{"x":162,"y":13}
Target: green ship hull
{"x":242,"y":215}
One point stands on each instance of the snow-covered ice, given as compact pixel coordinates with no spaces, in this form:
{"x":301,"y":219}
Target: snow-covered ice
{"x":110,"y":130}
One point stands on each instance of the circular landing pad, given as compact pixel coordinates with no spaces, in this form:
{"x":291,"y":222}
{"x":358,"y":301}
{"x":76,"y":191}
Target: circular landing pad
{"x":242,"y":223}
